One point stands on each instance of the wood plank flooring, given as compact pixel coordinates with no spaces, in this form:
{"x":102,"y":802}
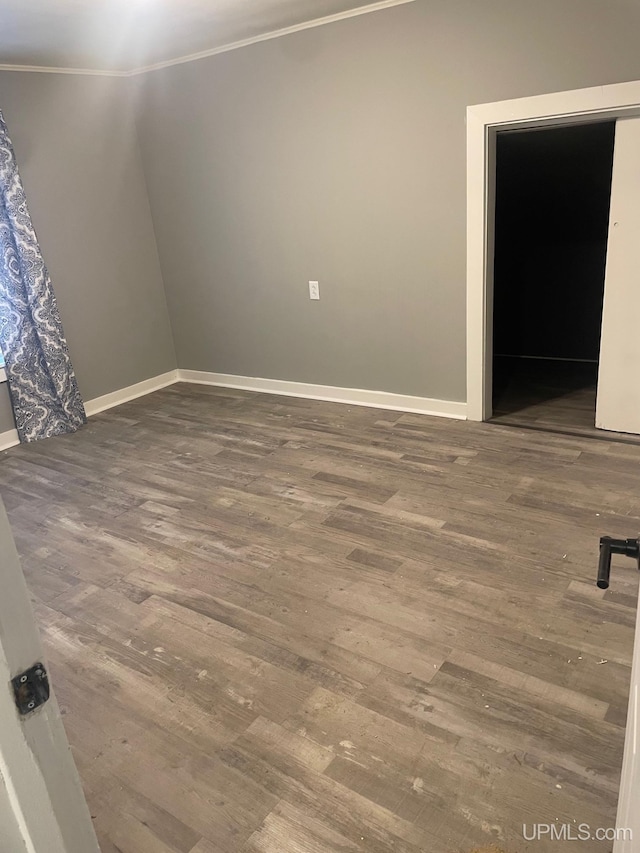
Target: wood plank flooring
{"x":550,"y":395}
{"x":285,"y":626}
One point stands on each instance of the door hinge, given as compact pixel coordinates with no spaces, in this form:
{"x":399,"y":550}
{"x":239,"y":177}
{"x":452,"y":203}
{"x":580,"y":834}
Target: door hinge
{"x":31,"y":688}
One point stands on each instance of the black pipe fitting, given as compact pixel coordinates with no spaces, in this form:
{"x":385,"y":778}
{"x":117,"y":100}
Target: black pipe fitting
{"x":609,"y":546}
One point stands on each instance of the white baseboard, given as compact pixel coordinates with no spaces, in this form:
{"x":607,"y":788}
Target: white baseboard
{"x":9,"y":439}
{"x":330,"y":393}
{"x":107,"y":401}
{"x":116,"y":398}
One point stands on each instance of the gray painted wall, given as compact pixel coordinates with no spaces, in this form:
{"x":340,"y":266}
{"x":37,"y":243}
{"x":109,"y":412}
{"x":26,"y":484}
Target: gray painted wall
{"x":338,"y":154}
{"x":78,"y":155}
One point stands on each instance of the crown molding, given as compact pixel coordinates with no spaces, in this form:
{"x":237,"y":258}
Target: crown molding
{"x":84,"y":72}
{"x":225,"y":48}
{"x":274,"y":34}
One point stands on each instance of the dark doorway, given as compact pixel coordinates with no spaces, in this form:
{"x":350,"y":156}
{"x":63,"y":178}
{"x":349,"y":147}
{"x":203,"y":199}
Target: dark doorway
{"x":553,"y":189}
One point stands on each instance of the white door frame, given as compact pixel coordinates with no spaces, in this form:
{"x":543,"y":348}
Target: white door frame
{"x":619,"y":100}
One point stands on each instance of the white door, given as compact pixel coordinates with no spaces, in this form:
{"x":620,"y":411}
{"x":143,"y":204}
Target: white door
{"x":11,"y":838}
{"x":628,"y":818}
{"x":618,"y":398}
{"x":42,"y":807}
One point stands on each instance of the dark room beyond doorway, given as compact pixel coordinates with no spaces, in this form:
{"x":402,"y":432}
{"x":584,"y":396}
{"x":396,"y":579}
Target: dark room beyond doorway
{"x":553,"y":188}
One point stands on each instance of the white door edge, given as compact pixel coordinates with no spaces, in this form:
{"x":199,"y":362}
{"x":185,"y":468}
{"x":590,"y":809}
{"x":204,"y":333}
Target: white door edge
{"x":40,"y":783}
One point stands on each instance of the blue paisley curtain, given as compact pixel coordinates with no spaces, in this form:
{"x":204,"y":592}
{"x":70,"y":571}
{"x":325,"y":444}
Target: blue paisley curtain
{"x":42,"y":384}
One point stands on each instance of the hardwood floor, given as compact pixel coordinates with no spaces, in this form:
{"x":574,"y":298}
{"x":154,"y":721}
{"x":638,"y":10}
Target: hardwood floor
{"x":553,"y":396}
{"x":277,"y":625}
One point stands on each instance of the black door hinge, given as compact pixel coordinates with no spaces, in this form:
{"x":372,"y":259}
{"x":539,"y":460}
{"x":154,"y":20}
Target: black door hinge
{"x":31,"y":688}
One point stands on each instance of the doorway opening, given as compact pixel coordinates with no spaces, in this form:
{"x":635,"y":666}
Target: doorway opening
{"x":552,"y":196}
{"x":484,"y":121}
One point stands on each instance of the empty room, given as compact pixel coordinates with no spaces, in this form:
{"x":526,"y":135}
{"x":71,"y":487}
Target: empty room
{"x":319,"y":426}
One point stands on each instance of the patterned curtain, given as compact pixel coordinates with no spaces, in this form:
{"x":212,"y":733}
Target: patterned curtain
{"x":42,"y":384}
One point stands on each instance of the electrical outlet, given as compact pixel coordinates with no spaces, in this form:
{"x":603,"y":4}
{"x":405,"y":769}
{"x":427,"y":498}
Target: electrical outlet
{"x":314,"y":290}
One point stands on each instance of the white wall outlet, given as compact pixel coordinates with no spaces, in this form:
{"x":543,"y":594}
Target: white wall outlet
{"x":314,"y":290}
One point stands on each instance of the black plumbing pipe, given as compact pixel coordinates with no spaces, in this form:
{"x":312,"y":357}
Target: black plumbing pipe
{"x":610,"y":546}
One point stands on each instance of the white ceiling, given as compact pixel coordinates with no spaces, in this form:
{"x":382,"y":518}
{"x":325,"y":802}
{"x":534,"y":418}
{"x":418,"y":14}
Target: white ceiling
{"x":122,"y":35}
